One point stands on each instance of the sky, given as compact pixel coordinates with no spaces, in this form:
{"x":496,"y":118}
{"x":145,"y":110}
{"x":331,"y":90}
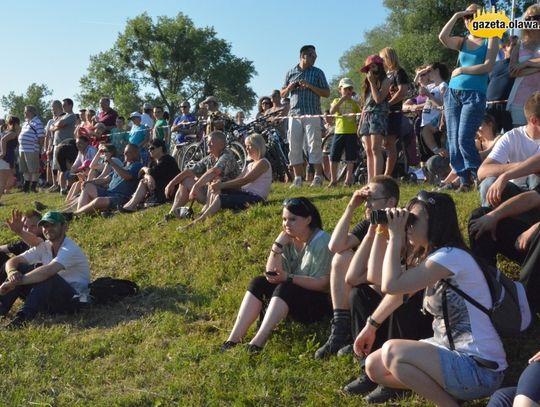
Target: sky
{"x":50,"y":42}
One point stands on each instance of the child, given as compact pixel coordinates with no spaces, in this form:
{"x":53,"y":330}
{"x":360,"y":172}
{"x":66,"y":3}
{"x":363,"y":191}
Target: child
{"x":374,"y":121}
{"x":345,"y":132}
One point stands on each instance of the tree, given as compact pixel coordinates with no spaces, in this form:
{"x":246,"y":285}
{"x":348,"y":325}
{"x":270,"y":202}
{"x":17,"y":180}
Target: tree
{"x":412,"y":28}
{"x":36,"y":95}
{"x":175,"y":59}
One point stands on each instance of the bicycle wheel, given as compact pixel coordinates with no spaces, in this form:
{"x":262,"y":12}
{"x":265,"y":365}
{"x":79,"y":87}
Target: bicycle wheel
{"x":240,"y":153}
{"x":342,"y":164}
{"x":193,"y":153}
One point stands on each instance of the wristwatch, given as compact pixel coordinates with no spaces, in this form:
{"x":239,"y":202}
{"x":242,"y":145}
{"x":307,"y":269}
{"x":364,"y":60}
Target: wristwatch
{"x":373,"y":323}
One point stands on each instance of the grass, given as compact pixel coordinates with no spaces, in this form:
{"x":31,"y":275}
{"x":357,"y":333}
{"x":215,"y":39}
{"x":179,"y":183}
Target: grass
{"x":160,"y":347}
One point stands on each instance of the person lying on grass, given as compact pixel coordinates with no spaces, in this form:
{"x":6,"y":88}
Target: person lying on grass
{"x":252,"y":186}
{"x":296,"y":281}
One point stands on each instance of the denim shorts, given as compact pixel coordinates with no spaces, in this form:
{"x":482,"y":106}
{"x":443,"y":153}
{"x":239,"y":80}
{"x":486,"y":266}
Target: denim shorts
{"x":374,"y":123}
{"x":464,"y":379}
{"x":115,"y":200}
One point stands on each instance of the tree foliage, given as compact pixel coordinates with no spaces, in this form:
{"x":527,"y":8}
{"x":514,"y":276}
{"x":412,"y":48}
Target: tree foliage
{"x":174,"y":59}
{"x":36,"y":95}
{"x":412,"y":28}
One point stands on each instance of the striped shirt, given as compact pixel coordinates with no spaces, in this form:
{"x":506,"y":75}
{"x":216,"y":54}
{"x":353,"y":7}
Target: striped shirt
{"x":31,"y":132}
{"x":304,"y":101}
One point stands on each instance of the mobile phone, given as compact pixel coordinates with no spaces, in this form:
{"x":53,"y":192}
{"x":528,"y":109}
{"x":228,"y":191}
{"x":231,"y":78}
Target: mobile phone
{"x":271,"y":273}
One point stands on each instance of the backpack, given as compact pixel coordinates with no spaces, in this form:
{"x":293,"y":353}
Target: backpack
{"x":106,"y":290}
{"x":510,"y":312}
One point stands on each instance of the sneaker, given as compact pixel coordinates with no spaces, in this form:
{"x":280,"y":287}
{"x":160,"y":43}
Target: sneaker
{"x":332,"y":345}
{"x":297,"y":183}
{"x":251,"y":348}
{"x":345,"y":351}
{"x":359,"y":386}
{"x":64,"y":191}
{"x":54,"y":188}
{"x":317,"y":181}
{"x":227,"y":345}
{"x":18,"y":322}
{"x":383,"y":394}
{"x":39,"y":206}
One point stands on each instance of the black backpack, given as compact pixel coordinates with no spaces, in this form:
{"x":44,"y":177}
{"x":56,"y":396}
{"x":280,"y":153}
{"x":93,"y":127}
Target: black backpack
{"x":106,"y":290}
{"x":510,"y":312}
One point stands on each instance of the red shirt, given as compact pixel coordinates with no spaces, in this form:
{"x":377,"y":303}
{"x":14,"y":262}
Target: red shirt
{"x":108,"y":118}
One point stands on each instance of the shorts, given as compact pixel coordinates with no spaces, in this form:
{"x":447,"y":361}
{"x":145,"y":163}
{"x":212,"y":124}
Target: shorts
{"x":347,"y":142}
{"x":115,"y":200}
{"x":304,"y":305}
{"x":373,"y":123}
{"x":4,"y":165}
{"x":394,"y":124}
{"x":465,"y":379}
{"x":28,"y":162}
{"x":65,"y":155}
{"x":305,"y":130}
{"x":238,"y":199}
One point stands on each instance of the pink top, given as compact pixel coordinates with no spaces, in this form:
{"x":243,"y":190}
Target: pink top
{"x":261,"y":186}
{"x":525,"y":86}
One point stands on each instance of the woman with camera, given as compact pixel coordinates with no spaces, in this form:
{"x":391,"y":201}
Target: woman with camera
{"x":465,"y":359}
{"x":296,"y":281}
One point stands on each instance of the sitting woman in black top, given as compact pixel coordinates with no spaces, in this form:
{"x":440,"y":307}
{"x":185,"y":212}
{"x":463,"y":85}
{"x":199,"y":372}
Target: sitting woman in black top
{"x":154,"y":178}
{"x":296,"y":281}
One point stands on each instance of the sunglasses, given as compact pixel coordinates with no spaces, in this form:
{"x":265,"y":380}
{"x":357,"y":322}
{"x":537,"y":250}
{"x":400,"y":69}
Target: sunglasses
{"x":533,"y":18}
{"x":184,"y":107}
{"x":296,"y":202}
{"x":266,"y":102}
{"x":151,"y":148}
{"x":425,"y":197}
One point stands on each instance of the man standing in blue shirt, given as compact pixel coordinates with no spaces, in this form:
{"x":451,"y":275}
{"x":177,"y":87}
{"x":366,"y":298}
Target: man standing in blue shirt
{"x":306,"y":85}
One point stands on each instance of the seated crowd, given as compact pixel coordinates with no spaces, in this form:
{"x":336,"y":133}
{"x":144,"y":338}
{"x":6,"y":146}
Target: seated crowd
{"x":384,"y":281}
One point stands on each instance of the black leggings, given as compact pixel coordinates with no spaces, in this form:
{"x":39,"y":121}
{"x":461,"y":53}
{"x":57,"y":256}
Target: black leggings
{"x":304,"y":305}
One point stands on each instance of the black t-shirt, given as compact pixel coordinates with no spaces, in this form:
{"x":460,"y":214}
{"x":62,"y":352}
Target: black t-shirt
{"x":500,"y":82}
{"x":397,"y":78}
{"x":18,"y":247}
{"x":163,"y":171}
{"x":361,"y":229}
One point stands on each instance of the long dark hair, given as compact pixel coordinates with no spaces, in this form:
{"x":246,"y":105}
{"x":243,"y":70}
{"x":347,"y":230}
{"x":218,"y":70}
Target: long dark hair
{"x":443,"y":226}
{"x":303,"y":207}
{"x":381,"y":76}
{"x":443,"y":70}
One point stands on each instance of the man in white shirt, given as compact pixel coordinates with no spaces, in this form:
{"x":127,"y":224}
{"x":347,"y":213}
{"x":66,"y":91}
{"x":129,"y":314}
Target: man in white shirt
{"x":57,"y":286}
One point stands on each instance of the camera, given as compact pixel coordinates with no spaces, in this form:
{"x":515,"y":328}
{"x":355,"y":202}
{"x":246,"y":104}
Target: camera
{"x":296,"y":85}
{"x":379,"y":217}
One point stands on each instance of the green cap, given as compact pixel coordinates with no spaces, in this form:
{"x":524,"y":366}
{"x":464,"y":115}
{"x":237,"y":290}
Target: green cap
{"x":52,"y":217}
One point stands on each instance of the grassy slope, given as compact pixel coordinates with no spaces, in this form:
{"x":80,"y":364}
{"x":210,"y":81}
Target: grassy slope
{"x":159,"y":348}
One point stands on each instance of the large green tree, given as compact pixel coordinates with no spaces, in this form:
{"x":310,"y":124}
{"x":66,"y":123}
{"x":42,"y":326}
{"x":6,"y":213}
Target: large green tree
{"x":36,"y":95}
{"x":412,"y":28}
{"x":172,"y":58}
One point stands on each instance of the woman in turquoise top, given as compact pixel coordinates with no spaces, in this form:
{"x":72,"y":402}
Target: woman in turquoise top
{"x":465,"y":100}
{"x":297,"y":279}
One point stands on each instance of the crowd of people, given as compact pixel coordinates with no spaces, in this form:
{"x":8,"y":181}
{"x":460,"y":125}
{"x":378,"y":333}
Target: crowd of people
{"x":383,"y":283}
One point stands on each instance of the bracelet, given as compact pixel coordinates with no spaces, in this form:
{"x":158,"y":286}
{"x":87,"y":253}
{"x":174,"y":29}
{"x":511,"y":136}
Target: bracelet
{"x":379,"y":231}
{"x":278,"y":245}
{"x":373,"y":323}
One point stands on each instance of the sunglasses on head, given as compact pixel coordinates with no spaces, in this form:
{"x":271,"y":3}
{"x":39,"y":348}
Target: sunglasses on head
{"x":425,"y":197}
{"x":296,"y":202}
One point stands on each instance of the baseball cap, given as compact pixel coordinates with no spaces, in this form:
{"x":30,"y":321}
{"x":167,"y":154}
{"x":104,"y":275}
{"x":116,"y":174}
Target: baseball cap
{"x":55,"y":218}
{"x":135,"y":114}
{"x":372,"y":59}
{"x":147,"y":106}
{"x":346,"y":83}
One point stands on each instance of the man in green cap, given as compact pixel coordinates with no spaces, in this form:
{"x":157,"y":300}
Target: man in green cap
{"x":58,"y":285}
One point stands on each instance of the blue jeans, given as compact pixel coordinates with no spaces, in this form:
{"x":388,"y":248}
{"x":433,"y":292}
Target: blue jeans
{"x":528,"y":385}
{"x":464,"y":111}
{"x":52,"y":296}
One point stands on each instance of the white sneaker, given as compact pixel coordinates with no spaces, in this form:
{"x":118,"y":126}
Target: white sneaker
{"x":297,"y":182}
{"x":317,"y":181}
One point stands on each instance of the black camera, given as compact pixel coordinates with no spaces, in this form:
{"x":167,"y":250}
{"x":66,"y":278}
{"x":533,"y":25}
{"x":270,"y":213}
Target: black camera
{"x":379,"y":217}
{"x":296,"y":85}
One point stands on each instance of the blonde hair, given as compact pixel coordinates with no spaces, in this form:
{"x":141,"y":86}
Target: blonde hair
{"x":258,"y":143}
{"x":532,"y":106}
{"x":390,"y":57}
{"x":528,"y":35}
